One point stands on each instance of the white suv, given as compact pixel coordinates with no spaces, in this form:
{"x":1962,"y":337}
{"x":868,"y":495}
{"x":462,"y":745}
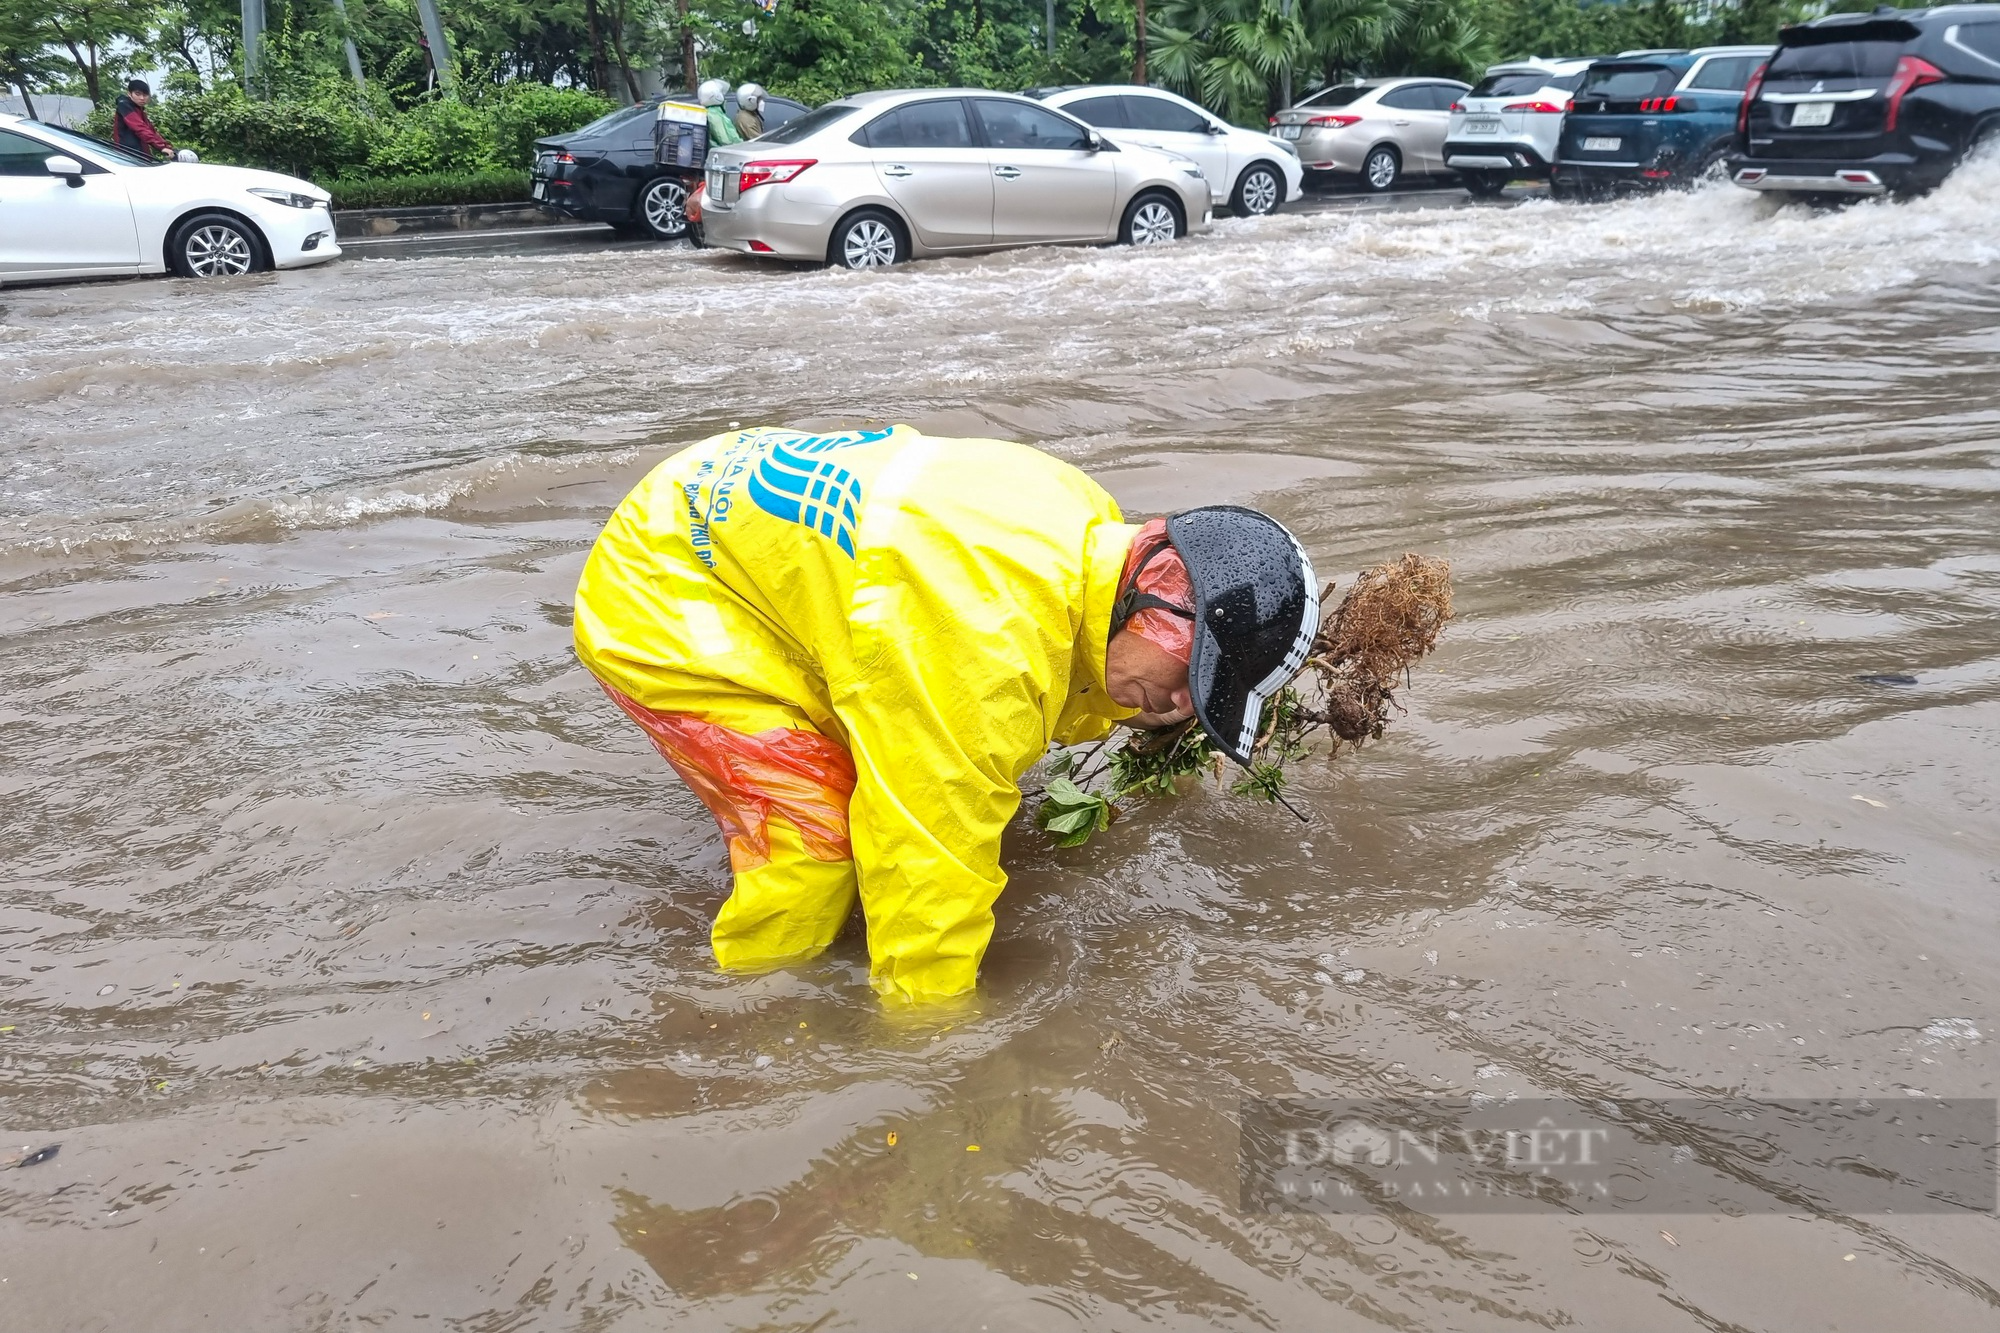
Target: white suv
{"x":1250,"y":172}
{"x":1507,"y":126}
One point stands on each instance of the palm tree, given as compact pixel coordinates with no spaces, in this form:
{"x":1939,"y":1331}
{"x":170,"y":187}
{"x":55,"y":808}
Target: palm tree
{"x":1241,"y":56}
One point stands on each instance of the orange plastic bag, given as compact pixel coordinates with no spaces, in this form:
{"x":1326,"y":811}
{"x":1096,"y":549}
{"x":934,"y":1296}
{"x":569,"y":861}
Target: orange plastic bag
{"x":796,"y":774}
{"x":1160,"y":571}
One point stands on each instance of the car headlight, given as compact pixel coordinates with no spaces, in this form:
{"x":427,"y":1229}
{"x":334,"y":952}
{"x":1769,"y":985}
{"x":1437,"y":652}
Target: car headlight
{"x":1283,"y":145}
{"x":1190,"y":169}
{"x":286,"y":197}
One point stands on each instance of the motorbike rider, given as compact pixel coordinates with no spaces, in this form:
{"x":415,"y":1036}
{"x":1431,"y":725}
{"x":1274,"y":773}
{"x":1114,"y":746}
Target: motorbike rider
{"x":750,"y":110}
{"x":132,"y":129}
{"x":712,"y":94}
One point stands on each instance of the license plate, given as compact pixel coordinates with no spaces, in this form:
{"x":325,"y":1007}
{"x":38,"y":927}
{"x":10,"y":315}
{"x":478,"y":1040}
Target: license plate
{"x":1806,"y":115}
{"x":539,"y":191}
{"x":1288,"y":131}
{"x":1601,"y":145}
{"x":1482,"y":125}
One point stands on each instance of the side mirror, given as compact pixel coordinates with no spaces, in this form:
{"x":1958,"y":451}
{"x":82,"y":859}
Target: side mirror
{"x":1095,"y":140}
{"x":1217,"y":127}
{"x":66,"y":166}
{"x":187,"y":155}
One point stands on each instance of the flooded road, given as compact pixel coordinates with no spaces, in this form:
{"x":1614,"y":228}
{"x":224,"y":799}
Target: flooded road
{"x":355,"y":949}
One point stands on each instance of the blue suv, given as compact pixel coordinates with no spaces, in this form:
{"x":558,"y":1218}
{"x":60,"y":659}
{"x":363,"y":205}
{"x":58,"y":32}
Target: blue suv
{"x":1647,"y":119}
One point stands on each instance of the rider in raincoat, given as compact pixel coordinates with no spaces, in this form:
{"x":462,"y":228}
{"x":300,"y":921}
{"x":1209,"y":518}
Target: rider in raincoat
{"x":722,"y":131}
{"x":851,"y":646}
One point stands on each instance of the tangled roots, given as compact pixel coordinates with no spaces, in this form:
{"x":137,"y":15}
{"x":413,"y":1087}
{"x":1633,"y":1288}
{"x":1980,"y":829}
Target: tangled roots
{"x":1389,"y":620}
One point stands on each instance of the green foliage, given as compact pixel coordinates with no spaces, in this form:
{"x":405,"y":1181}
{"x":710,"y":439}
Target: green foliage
{"x":1154,"y":764}
{"x":1156,"y":769}
{"x":1520,"y":28}
{"x":334,"y":131}
{"x":316,"y":137}
{"x":1071,"y":815}
{"x":524,"y":112}
{"x":815,"y":50}
{"x":485,"y":187}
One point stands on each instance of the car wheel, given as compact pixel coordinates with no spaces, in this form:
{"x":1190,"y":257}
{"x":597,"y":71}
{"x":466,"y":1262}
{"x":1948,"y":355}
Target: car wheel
{"x":1258,"y":192}
{"x":1712,"y":169}
{"x":1381,"y":168}
{"x":1150,"y":220}
{"x":214,"y":245}
{"x":869,"y":239}
{"x":661,"y":209}
{"x":1484,"y":184}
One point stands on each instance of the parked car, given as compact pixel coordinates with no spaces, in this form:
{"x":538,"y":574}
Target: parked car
{"x":1251,"y":173}
{"x":1643,"y":120}
{"x":605,"y":171}
{"x":882,"y":177}
{"x":1506,"y":127}
{"x":72,"y":206}
{"x":1381,"y":130}
{"x":1872,"y":103}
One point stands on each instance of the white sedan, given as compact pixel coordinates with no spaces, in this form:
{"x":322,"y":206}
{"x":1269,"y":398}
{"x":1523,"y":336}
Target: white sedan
{"x":1251,"y":173}
{"x":75,"y":207}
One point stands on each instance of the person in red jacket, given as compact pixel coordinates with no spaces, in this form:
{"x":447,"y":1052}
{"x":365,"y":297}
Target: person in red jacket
{"x":132,"y":129}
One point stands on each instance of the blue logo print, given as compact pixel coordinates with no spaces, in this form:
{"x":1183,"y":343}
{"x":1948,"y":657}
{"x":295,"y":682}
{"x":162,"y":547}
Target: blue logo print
{"x":794,"y":483}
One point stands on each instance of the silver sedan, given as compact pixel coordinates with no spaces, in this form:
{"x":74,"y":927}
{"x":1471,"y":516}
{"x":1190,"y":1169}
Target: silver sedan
{"x":1381,"y":130}
{"x":882,"y":177}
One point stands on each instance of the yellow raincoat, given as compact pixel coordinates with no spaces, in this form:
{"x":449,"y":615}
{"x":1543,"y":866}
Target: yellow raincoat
{"x":939,"y":608}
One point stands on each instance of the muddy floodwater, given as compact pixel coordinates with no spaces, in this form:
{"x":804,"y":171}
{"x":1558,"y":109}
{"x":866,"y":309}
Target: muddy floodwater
{"x":354,"y":948}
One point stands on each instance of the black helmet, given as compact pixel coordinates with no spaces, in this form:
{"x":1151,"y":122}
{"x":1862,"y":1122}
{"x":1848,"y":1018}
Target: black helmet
{"x":1256,"y":610}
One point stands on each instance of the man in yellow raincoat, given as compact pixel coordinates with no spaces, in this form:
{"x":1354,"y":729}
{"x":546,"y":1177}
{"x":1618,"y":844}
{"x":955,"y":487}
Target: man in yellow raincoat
{"x":851,"y":646}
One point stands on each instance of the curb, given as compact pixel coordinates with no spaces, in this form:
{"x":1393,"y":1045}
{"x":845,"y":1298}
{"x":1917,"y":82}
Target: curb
{"x":359,"y":223}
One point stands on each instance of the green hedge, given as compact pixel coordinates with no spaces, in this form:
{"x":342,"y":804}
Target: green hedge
{"x":333,"y":132}
{"x":481,"y":187}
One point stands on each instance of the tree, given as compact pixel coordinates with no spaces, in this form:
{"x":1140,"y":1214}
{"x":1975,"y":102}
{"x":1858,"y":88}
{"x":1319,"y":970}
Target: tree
{"x":24,"y":57}
{"x":89,"y":30}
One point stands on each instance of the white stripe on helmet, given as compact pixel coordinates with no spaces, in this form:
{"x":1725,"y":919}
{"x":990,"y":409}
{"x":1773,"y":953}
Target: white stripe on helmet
{"x":1295,"y":657}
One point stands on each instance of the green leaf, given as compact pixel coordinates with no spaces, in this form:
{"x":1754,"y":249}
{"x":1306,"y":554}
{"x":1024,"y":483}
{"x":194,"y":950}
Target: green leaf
{"x":1064,"y":792}
{"x":1071,"y":821}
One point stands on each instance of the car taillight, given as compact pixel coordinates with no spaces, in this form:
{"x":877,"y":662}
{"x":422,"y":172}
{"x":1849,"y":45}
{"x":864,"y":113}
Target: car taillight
{"x":1911,"y":73}
{"x":1660,"y":104}
{"x":1749,"y":96}
{"x":771,"y":173}
{"x":1458,"y":106}
{"x":1336,"y":122}
{"x":1539,"y":108}
{"x":565,"y":159}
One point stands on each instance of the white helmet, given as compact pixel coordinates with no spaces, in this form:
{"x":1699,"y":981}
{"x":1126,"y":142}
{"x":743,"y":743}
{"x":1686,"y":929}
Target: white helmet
{"x":712,"y":92}
{"x":751,"y":95}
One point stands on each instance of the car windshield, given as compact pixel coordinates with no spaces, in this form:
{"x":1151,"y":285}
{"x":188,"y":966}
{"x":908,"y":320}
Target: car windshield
{"x":619,"y":117}
{"x":1836,"y":60}
{"x":1625,"y":83}
{"x":125,"y":157}
{"x":1341,"y":96}
{"x":1517,"y":84}
{"x":811,"y":123}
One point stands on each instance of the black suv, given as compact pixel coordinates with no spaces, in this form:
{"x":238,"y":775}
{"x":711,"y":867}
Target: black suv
{"x":1886,"y":102}
{"x":605,"y":171}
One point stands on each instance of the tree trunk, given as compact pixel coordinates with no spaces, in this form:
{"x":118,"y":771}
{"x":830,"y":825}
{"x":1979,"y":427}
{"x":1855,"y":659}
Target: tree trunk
{"x":92,"y":76}
{"x":688,"y":71}
{"x":182,"y":49}
{"x":27,"y":99}
{"x":600,"y":68}
{"x":618,"y":45}
{"x":1139,"y":43}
